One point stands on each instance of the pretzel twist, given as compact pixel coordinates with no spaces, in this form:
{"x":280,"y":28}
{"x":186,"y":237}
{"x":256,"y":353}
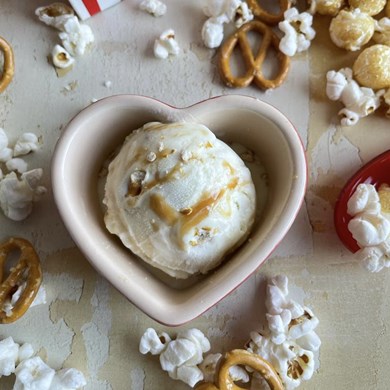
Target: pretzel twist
{"x":253,"y":64}
{"x":9,"y":66}
{"x":266,"y":16}
{"x":241,"y":357}
{"x":28,"y":270}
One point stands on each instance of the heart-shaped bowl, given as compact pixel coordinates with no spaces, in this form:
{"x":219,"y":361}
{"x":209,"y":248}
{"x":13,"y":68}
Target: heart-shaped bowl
{"x":99,"y":129}
{"x":375,"y":172}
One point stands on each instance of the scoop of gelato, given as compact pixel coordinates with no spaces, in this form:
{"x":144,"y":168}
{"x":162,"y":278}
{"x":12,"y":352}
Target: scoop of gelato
{"x":179,"y":198}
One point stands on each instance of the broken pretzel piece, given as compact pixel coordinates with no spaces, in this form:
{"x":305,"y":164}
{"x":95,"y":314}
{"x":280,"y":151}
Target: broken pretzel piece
{"x":253,"y":63}
{"x":27,"y":271}
{"x":265,"y":16}
{"x":8,"y":67}
{"x":241,"y":357}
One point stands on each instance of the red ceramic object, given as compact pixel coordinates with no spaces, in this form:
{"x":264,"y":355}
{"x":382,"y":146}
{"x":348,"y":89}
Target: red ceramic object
{"x":376,"y":172}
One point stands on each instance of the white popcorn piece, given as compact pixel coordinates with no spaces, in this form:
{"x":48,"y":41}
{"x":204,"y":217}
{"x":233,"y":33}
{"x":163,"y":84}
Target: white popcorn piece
{"x":298,"y":32}
{"x":243,"y":14}
{"x":17,"y":164}
{"x":386,"y":98}
{"x":55,"y":15}
{"x":212,"y":31}
{"x":6,"y":154}
{"x":26,"y":143}
{"x":153,"y":342}
{"x":239,"y":374}
{"x":197,"y":337}
{"x":33,"y":373}
{"x":3,"y":139}
{"x":61,"y":58}
{"x":26,"y":351}
{"x":17,"y":195}
{"x":179,"y":352}
{"x":291,"y":340}
{"x":382,"y":31}
{"x":154,"y":7}
{"x":76,"y":37}
{"x":166,"y":45}
{"x":369,"y":229}
{"x":209,"y":366}
{"x":375,"y":258}
{"x":68,"y":379}
{"x":9,"y":351}
{"x":220,"y":12}
{"x":187,"y":374}
{"x":179,"y":357}
{"x":364,"y":199}
{"x":358,"y":101}
{"x":293,"y":363}
{"x":213,"y":8}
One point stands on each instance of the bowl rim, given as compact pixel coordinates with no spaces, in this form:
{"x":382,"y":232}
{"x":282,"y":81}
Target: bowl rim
{"x":177,"y":313}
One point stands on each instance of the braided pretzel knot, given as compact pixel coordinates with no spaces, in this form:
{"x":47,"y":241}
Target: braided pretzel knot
{"x":266,"y":16}
{"x":8,"y":67}
{"x":253,"y":64}
{"x":27,"y":270}
{"x":243,"y":358}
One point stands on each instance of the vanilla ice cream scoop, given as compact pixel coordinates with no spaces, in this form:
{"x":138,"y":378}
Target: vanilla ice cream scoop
{"x":179,"y":198}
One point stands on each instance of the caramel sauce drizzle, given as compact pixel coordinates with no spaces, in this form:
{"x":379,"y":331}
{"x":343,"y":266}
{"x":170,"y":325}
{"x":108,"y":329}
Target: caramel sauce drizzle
{"x":199,"y":211}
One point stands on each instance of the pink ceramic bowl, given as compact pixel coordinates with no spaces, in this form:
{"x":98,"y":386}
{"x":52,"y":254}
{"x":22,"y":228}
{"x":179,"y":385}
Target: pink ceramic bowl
{"x":99,"y":129}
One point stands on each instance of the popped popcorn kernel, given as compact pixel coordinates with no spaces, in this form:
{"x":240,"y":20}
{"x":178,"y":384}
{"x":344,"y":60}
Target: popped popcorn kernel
{"x":55,"y":15}
{"x":61,"y":57}
{"x":358,"y":101}
{"x":370,"y":225}
{"x":297,"y":30}
{"x":370,"y":7}
{"x":351,"y":30}
{"x":371,"y":69}
{"x":154,"y":7}
{"x":166,"y":45}
{"x":326,"y":7}
{"x":382,"y":32}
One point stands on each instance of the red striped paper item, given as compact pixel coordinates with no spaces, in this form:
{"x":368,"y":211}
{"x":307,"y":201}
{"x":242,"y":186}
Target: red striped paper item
{"x":88,"y":8}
